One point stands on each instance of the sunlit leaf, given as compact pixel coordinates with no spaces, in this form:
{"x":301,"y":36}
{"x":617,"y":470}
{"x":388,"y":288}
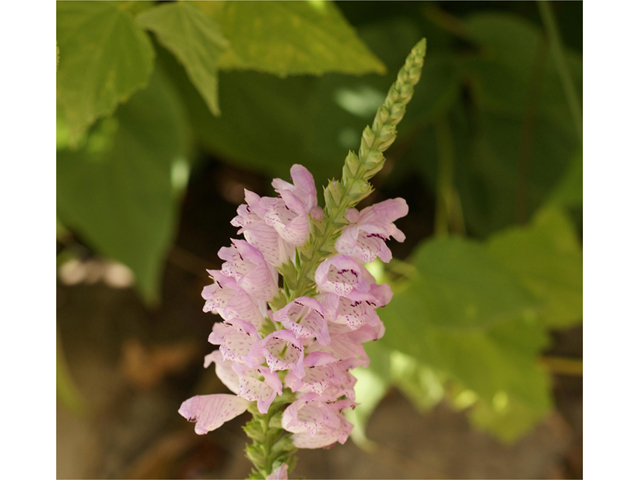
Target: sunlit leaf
{"x":506,"y":416}
{"x":104,"y":58}
{"x":287,"y":38}
{"x":548,"y":259}
{"x":469,"y":317}
{"x":196,"y":40}
{"x":117,"y":191}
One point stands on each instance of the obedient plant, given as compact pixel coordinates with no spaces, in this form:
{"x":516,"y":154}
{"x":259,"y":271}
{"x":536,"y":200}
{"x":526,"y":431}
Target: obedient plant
{"x":286,"y":352}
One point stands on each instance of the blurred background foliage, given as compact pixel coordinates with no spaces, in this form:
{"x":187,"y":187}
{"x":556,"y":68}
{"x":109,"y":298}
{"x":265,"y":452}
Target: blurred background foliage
{"x":488,"y":156}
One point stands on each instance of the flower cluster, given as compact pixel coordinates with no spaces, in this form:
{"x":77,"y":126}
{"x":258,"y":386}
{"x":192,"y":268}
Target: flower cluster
{"x":297,"y":302}
{"x":310,"y":344}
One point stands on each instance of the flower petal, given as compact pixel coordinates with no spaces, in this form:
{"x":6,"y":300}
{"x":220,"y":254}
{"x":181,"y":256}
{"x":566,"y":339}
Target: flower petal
{"x":211,"y":411}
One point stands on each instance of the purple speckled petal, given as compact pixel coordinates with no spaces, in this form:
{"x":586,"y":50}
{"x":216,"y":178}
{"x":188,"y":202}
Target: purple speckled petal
{"x":283,"y":351}
{"x":340,"y":275}
{"x":304,"y":316}
{"x":254,"y":385}
{"x":211,"y":411}
{"x":247,"y":265}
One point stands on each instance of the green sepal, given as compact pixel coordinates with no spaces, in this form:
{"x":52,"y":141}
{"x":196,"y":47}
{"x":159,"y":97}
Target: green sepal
{"x":253,"y":429}
{"x":276,"y":420}
{"x":255,"y":454}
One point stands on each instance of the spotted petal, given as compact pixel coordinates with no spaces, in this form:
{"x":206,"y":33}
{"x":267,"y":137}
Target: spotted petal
{"x":341,"y":275}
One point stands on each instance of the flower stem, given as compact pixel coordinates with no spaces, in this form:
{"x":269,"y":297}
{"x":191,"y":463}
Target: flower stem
{"x":271,"y":445}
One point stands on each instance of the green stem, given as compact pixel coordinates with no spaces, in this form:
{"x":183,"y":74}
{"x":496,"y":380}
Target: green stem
{"x":557,"y":52}
{"x":271,"y":445}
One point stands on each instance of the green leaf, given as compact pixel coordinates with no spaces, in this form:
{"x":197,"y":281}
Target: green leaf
{"x":568,"y":192}
{"x":469,"y":318}
{"x":548,"y":259}
{"x":195,"y":39}
{"x":290,"y":38}
{"x":525,"y":137}
{"x":105,"y":57}
{"x":505,"y":416}
{"x":117,"y":191}
{"x":506,"y":178}
{"x":464,"y":287}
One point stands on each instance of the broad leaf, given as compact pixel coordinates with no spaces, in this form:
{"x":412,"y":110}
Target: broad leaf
{"x":548,"y":259}
{"x":525,"y":137}
{"x":287,"y":38}
{"x":469,"y":317}
{"x":104,"y":58}
{"x":117,"y":191}
{"x":195,"y":39}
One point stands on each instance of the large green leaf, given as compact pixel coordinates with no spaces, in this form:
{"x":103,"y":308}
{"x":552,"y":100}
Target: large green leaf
{"x":286,"y":38}
{"x":525,"y":138}
{"x":513,"y":168}
{"x":117,"y":191}
{"x":104,"y":58}
{"x":466,"y":315}
{"x":196,"y":40}
{"x":548,"y":259}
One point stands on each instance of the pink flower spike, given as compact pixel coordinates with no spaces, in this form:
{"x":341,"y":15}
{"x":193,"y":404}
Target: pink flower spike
{"x":341,"y":275}
{"x":251,"y":271}
{"x":279,"y":473}
{"x":305,"y":318}
{"x":211,"y":411}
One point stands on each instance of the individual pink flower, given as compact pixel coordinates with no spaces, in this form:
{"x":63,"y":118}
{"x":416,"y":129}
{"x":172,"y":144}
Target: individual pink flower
{"x":282,"y":350}
{"x":315,"y":423}
{"x":341,"y":275}
{"x":279,"y":473}
{"x":346,"y":345}
{"x":320,"y":371}
{"x":302,"y":194}
{"x":289,"y":214}
{"x":264,"y":237}
{"x":365,"y":237}
{"x":211,"y":411}
{"x":305,"y":318}
{"x":258,"y":385}
{"x":226,"y":298}
{"x":246,"y":264}
{"x":235,"y":344}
